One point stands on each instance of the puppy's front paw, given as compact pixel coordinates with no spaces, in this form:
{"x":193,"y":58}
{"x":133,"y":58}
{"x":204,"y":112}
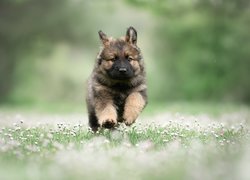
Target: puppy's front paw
{"x":108,"y":123}
{"x":129,"y":122}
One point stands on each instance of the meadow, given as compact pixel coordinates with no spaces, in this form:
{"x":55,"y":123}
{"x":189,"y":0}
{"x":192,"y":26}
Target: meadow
{"x":163,"y":145}
{"x":194,"y":51}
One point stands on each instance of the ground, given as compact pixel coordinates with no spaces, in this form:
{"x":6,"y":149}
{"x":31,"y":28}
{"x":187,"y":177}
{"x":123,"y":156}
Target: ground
{"x":163,"y":145}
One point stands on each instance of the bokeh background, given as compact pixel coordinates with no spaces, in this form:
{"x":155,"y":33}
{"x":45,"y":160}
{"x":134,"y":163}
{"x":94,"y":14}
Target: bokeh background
{"x":194,"y":50}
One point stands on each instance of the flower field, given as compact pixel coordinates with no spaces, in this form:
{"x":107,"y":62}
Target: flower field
{"x":164,"y":146}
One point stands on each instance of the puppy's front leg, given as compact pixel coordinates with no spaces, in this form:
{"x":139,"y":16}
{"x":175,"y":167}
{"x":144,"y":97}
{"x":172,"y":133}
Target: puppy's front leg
{"x":134,"y":104}
{"x":106,"y":113}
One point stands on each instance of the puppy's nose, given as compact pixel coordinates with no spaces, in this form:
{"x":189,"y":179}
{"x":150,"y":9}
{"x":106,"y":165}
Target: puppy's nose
{"x":122,"y":70}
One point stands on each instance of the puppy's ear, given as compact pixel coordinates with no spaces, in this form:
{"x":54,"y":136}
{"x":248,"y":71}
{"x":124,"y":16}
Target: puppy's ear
{"x":131,"y":35}
{"x":103,"y":38}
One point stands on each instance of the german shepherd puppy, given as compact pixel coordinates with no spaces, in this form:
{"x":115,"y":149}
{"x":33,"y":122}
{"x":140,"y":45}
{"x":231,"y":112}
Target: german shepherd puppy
{"x":117,"y":90}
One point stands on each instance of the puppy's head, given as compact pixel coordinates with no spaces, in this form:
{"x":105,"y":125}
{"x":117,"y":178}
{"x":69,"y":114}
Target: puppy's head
{"x":120,"y":59}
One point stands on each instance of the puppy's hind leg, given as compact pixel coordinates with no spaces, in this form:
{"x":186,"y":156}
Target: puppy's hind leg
{"x":93,"y":122}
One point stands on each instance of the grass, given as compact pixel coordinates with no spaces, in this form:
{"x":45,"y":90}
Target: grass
{"x":169,"y":141}
{"x":173,"y":150}
{"x":154,"y":107}
{"x":196,"y":107}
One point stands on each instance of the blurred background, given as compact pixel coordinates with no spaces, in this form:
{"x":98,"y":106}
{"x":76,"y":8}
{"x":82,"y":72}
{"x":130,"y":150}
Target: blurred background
{"x":194,"y":50}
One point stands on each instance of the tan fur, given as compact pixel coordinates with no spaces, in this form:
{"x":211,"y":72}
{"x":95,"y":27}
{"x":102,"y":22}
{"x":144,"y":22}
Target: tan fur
{"x":136,"y":66}
{"x":107,"y":64}
{"x":106,"y":114}
{"x":133,"y":107}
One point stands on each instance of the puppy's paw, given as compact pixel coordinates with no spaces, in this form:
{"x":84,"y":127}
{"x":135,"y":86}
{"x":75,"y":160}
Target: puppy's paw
{"x":129,"y":122}
{"x":109,"y":123}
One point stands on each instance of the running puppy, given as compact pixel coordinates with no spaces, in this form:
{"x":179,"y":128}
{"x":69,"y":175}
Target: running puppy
{"x":117,"y":90}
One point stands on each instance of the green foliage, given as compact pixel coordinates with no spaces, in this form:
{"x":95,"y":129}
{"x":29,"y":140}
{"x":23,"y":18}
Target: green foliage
{"x":31,"y":28}
{"x":194,"y":50}
{"x":203,"y":48}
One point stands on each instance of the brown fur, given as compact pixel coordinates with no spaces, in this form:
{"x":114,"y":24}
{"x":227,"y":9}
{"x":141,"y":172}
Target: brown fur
{"x":117,"y":86}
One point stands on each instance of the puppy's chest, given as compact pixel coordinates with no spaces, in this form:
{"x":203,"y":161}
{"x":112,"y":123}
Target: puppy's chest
{"x":119,"y":100}
{"x":119,"y":94}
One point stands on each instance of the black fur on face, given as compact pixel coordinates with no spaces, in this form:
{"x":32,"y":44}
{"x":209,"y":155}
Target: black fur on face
{"x":121,"y":69}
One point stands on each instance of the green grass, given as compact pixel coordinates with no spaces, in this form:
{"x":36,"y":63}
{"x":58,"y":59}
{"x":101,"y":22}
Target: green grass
{"x":185,"y":141}
{"x":154,"y":107}
{"x":195,"y":107}
{"x":44,"y":107}
{"x":143,"y":151}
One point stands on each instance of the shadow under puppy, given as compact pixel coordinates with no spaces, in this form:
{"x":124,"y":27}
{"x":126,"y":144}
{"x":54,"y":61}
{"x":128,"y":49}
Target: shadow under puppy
{"x":117,"y":90}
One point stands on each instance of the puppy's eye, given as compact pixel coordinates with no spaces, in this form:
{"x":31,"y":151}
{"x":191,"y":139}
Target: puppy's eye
{"x":130,"y":58}
{"x":112,"y":58}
